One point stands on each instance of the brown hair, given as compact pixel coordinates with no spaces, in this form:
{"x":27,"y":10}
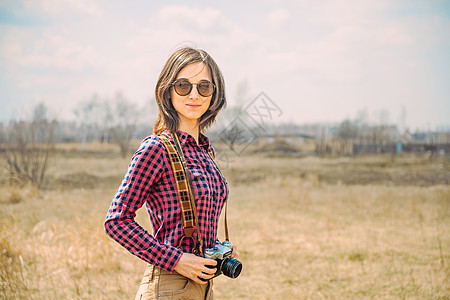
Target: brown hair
{"x":168,"y":117}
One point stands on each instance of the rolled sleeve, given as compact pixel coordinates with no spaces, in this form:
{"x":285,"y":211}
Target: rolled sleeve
{"x":144,"y":171}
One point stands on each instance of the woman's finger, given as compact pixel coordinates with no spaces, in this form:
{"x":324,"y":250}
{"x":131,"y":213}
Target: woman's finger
{"x":234,"y":253}
{"x":208,"y":270}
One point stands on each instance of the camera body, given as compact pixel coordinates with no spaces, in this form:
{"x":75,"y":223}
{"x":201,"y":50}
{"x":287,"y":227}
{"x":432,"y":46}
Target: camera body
{"x":227,"y":265}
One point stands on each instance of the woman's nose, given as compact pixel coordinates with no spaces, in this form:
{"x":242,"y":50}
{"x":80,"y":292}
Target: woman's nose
{"x":194,"y":92}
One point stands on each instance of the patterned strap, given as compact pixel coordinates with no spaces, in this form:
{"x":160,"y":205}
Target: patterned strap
{"x":191,"y":192}
{"x":185,"y":195}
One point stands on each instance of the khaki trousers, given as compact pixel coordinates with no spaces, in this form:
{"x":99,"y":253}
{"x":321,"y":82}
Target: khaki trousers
{"x":159,"y":284}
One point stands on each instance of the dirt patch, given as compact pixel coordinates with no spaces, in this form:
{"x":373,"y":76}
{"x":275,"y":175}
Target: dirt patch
{"x":345,"y":171}
{"x":81,"y":180}
{"x":280,"y":147}
{"x":386,"y":177}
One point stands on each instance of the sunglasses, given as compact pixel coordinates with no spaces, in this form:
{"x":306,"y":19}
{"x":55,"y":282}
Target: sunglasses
{"x":183,"y":87}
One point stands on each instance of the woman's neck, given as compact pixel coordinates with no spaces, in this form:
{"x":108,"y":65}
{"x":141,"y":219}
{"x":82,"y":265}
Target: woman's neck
{"x":191,"y":128}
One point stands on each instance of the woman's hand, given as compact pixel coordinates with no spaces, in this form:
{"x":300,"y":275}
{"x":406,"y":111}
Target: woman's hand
{"x":195,"y":267}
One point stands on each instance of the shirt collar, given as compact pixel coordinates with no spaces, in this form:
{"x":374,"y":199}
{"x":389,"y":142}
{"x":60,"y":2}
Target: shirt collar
{"x":185,"y":137}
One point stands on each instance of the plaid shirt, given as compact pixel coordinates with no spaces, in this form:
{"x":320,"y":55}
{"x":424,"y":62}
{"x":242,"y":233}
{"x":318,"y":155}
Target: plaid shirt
{"x":150,"y":181}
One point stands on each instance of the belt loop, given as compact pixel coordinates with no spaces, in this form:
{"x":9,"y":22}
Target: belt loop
{"x":152,"y":273}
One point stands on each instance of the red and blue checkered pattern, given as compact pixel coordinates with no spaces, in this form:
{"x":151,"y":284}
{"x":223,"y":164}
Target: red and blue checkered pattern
{"x":150,"y":181}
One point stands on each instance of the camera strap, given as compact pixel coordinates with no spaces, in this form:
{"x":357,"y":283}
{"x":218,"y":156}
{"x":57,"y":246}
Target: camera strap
{"x":227,"y":237}
{"x":185,"y":193}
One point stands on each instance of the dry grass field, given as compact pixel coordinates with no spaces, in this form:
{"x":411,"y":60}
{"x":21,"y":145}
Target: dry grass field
{"x":307,"y":228}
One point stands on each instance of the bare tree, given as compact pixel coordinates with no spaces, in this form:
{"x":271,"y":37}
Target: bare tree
{"x":105,"y":116}
{"x":345,"y":135}
{"x":124,"y":118}
{"x":29,"y":145}
{"x":87,"y":115}
{"x":2,"y":133}
{"x":347,"y":130}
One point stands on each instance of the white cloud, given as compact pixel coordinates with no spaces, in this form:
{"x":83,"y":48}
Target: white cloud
{"x":343,"y":42}
{"x":278,"y":18}
{"x":49,"y":50}
{"x":330,"y":50}
{"x":86,"y":7}
{"x":192,"y":18}
{"x":55,"y":51}
{"x":176,"y":26}
{"x":342,"y":12}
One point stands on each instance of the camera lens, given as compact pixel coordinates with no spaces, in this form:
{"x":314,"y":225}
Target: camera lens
{"x":231,"y":267}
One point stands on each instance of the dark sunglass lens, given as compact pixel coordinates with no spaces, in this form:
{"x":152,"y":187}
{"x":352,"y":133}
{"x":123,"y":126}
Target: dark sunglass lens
{"x":205,"y":88}
{"x":183,"y":87}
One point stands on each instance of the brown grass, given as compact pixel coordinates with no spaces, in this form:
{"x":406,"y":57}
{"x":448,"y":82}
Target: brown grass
{"x":341,"y":242}
{"x":300,"y":235}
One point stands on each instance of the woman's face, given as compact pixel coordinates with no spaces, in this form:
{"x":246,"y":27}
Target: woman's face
{"x":192,"y":106}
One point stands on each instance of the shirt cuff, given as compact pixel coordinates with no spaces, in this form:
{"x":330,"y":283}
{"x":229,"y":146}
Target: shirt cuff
{"x":169,"y":257}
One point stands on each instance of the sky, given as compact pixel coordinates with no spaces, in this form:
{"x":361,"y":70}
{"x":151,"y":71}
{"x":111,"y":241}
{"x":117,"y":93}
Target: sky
{"x":318,"y":61}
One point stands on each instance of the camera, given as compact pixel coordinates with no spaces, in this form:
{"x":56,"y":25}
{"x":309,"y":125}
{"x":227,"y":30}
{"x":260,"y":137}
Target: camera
{"x":227,"y":265}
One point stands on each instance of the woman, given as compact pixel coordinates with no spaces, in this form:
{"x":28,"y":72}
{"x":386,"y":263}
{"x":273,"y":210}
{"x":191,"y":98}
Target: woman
{"x":190,"y":93}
